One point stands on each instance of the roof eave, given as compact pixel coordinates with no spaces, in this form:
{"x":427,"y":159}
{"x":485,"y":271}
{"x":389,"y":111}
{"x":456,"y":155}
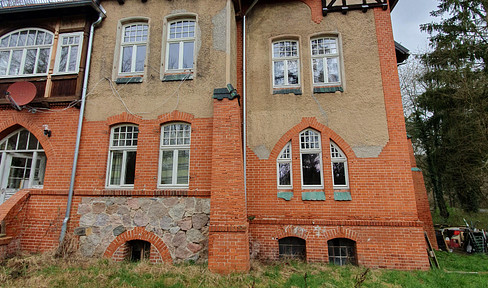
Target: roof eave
{"x":51,"y":6}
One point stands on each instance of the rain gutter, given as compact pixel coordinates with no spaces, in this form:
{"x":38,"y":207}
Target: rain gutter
{"x":102,"y":15}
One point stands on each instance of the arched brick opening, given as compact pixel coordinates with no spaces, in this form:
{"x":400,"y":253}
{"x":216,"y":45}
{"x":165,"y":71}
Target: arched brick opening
{"x":326,"y":132}
{"x":337,"y":237}
{"x":341,"y":232}
{"x":118,"y":249}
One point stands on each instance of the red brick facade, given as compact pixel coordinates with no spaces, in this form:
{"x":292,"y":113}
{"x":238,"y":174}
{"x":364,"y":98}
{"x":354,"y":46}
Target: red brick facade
{"x":386,"y":217}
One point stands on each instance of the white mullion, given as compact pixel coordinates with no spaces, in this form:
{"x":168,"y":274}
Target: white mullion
{"x":122,"y":168}
{"x":32,"y":169}
{"x":9,"y":61}
{"x":133,"y":60}
{"x":180,"y":56}
{"x":326,"y":70}
{"x":285,"y":72}
{"x":174,"y":179}
{"x":2,"y":168}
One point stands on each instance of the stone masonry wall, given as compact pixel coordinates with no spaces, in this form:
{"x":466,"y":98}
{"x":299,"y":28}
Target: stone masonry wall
{"x":181,"y":222}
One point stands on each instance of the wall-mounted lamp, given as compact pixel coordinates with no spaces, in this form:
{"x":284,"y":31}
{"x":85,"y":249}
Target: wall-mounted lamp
{"x":47,"y":131}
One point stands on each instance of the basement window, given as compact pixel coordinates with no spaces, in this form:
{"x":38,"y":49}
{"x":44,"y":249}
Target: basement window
{"x":138,"y":250}
{"x":342,"y":251}
{"x":292,"y":248}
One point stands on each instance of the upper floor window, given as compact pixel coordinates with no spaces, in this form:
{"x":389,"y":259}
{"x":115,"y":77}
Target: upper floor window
{"x":284,"y":167}
{"x":122,"y":156}
{"x":311,"y":159}
{"x":69,"y":52}
{"x":25,"y":52}
{"x":133,"y":48}
{"x":22,"y":163}
{"x":325,"y":61}
{"x":339,"y":167}
{"x":285,"y":63}
{"x":180,"y":49}
{"x":175,"y":155}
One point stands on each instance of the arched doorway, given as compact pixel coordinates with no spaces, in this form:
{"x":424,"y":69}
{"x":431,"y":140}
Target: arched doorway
{"x":22,"y":163}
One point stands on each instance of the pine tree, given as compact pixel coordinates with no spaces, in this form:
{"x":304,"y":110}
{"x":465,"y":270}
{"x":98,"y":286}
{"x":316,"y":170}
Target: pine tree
{"x":456,"y":98}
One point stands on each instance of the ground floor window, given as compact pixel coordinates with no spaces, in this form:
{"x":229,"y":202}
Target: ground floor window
{"x":138,"y":250}
{"x":292,"y":247}
{"x":22,"y":163}
{"x":342,"y":251}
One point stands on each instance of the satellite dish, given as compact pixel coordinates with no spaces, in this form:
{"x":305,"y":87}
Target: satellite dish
{"x":21,"y":93}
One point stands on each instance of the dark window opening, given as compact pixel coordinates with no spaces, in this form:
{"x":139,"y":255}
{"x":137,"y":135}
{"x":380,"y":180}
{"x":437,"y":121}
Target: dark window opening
{"x":342,"y":251}
{"x":292,"y":247}
{"x":138,"y":250}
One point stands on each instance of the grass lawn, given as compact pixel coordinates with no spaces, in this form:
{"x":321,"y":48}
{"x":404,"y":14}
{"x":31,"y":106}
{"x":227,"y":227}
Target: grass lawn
{"x":46,"y":271}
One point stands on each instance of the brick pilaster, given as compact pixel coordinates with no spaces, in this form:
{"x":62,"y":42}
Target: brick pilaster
{"x":228,"y":239}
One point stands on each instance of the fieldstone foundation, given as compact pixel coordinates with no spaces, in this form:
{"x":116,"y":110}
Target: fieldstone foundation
{"x":181,"y":222}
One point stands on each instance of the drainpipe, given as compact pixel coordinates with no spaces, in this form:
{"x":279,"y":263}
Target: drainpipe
{"x":244,"y":134}
{"x":80,"y":124}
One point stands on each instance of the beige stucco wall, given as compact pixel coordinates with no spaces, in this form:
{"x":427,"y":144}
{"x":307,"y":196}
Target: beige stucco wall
{"x":154,"y":97}
{"x":357,"y":115}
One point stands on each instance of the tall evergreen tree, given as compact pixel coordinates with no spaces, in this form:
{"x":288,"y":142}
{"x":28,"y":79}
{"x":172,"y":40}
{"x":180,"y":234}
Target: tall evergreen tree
{"x":456,"y":98}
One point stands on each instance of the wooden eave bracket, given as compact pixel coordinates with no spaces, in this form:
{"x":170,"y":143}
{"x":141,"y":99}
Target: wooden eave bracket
{"x":328,"y":6}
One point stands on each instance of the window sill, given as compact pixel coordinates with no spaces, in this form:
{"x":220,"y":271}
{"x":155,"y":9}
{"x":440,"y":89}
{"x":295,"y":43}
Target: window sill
{"x":332,"y":89}
{"x":313,"y":196}
{"x":342,"y":196}
{"x":127,"y":80}
{"x":177,"y":77}
{"x":285,"y":195}
{"x":296,"y":91}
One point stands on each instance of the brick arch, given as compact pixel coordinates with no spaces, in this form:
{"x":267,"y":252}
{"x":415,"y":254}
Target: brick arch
{"x":292,"y":231}
{"x":311,"y":122}
{"x":124,"y":118}
{"x":34,"y":128}
{"x":316,"y":10}
{"x":341,"y":232}
{"x":139,"y":233}
{"x":176,"y":116}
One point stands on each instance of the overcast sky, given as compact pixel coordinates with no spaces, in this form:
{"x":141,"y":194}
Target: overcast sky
{"x":407,"y":16}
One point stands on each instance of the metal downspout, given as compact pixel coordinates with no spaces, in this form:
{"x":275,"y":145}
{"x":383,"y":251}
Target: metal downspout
{"x":244,"y":134}
{"x":80,"y":125}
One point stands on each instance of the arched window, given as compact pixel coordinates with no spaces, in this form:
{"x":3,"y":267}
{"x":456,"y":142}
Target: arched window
{"x":325,"y":61}
{"x":122,"y":156}
{"x":133,"y":48}
{"x":311,"y":159}
{"x":286,"y":63}
{"x":342,"y":251}
{"x":22,"y":163}
{"x":25,"y":52}
{"x":180,"y":45}
{"x":339,"y":166}
{"x":174,"y":155}
{"x":292,"y":247}
{"x":284,"y":168}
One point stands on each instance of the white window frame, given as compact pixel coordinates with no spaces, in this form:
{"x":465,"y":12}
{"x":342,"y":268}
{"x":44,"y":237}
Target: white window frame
{"x":323,"y":58}
{"x":284,"y":157}
{"x":175,"y":148}
{"x":35,"y":154}
{"x":338,"y":156}
{"x":309,"y":150}
{"x":180,"y":42}
{"x":24,"y":49}
{"x":285,"y":60}
{"x":70,"y":47}
{"x":134,"y":46}
{"x":124,"y":149}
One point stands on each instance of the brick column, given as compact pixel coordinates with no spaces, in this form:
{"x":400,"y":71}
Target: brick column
{"x":228,"y":237}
